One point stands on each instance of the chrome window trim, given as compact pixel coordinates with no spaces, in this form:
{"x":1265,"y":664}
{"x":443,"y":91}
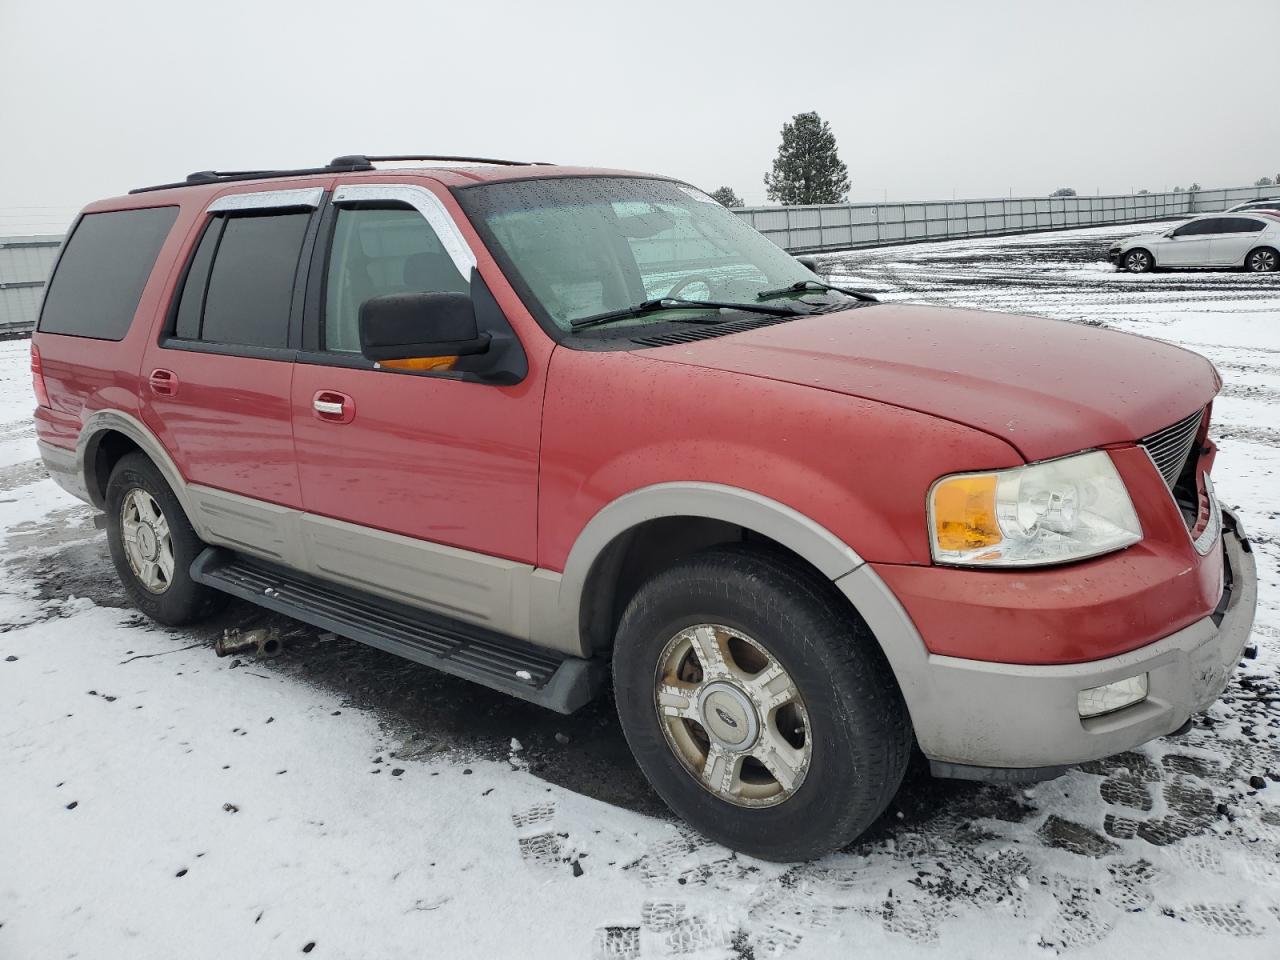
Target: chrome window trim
{"x":426,"y":203}
{"x":308,"y":197}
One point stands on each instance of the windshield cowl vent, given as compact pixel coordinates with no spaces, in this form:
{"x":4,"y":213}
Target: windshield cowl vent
{"x":710,"y":331}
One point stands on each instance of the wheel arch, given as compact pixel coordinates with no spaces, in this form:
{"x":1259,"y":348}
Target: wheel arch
{"x":1139,"y":248}
{"x":633,"y":536}
{"x":1273,"y":247}
{"x":107,"y":436}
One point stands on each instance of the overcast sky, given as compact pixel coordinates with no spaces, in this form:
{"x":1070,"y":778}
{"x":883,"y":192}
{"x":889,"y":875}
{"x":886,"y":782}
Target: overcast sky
{"x":927,"y":99}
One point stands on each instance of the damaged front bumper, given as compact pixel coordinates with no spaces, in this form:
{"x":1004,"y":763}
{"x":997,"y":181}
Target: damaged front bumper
{"x":1014,"y":722}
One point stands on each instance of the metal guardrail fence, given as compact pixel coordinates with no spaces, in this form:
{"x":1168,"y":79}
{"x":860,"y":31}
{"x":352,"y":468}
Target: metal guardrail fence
{"x":816,"y":229}
{"x":26,"y":262}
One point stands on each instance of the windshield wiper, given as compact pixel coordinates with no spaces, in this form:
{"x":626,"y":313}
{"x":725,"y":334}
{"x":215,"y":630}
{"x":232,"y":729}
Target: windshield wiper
{"x":801,"y":285}
{"x":669,"y":303}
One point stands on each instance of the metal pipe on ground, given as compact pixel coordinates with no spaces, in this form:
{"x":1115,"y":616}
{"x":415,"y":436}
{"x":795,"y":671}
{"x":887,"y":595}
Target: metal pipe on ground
{"x":265,"y":643}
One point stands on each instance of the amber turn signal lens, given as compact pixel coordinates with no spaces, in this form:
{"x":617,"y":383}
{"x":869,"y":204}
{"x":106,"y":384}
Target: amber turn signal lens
{"x":420,"y":363}
{"x":964,"y":513}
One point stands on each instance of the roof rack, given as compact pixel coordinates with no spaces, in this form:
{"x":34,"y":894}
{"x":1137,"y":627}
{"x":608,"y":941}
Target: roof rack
{"x":347,"y":164}
{"x":426,"y":156}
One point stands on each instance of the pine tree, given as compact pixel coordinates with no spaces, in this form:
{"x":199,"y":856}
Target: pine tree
{"x":726,"y":196}
{"x":1064,"y":192}
{"x":807,"y":168}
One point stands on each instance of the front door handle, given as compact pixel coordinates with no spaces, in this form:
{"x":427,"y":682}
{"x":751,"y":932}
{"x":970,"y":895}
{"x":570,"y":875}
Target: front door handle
{"x":333,"y":407}
{"x":164,"y":383}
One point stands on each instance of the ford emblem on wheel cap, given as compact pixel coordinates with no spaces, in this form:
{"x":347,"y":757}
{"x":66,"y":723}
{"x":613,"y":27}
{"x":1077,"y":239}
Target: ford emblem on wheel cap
{"x":726,"y":718}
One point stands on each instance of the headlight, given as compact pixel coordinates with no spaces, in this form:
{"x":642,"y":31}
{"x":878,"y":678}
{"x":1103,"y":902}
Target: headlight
{"x":1042,"y":513}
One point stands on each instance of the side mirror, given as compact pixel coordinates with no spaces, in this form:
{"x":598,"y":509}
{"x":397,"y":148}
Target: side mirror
{"x":404,"y":326}
{"x":810,"y":263}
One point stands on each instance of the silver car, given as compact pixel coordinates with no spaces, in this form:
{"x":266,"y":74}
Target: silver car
{"x":1264,"y":203}
{"x":1212,"y":240}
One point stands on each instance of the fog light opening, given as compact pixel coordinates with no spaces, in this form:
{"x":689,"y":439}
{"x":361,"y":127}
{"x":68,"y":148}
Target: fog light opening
{"x":1110,"y":697}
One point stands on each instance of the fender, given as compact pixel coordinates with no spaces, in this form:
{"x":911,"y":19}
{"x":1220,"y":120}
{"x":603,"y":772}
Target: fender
{"x":100,"y":422}
{"x":558,"y":598}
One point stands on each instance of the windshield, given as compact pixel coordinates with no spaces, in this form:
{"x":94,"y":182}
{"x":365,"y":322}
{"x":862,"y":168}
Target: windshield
{"x":583,"y":246}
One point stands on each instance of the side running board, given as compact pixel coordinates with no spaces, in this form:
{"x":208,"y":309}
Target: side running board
{"x":558,"y":681}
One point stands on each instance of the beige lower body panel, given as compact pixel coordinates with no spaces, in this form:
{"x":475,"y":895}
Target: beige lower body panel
{"x":977,"y":713}
{"x":476,"y":588}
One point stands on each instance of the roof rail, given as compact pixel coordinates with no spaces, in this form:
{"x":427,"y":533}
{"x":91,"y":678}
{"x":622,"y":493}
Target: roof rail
{"x":347,"y":164}
{"x":424,"y":156}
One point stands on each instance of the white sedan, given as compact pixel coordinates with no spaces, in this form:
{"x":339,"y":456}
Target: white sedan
{"x":1212,"y":240}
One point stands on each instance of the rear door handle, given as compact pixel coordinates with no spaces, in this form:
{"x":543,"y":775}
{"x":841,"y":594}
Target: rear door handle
{"x":333,"y":407}
{"x":164,"y":383}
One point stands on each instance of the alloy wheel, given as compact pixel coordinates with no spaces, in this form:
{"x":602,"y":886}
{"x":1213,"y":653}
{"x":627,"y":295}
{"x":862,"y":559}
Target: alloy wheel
{"x":733,"y":716}
{"x":1262,"y":261}
{"x":1138,"y":262}
{"x":147,"y":541}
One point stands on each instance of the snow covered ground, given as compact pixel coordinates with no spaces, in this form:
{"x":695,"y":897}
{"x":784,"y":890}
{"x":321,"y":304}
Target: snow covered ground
{"x":156,"y":801}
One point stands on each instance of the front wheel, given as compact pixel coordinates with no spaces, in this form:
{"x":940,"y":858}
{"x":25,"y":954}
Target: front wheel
{"x":1138,"y":261}
{"x":152,"y":545}
{"x":758,"y":704}
{"x":1262,"y":260}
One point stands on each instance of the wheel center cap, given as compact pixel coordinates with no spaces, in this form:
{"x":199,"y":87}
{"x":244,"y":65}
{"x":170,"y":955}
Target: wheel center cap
{"x":148,"y":542}
{"x":729,"y":717}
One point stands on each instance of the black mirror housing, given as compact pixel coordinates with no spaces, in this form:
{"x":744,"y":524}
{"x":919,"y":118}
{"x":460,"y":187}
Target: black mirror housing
{"x":403,"y":326}
{"x":810,"y":263}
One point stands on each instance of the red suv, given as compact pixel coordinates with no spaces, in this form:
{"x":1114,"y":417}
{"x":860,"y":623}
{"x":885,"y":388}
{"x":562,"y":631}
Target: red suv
{"x":541,"y":426}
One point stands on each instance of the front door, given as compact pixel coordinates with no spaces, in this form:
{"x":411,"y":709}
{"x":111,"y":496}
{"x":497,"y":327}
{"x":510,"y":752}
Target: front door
{"x":1187,"y":246}
{"x":418,"y":483}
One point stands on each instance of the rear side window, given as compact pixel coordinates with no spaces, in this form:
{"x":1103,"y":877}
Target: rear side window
{"x":239,"y":287}
{"x":94,"y":291}
{"x":1240,"y":225}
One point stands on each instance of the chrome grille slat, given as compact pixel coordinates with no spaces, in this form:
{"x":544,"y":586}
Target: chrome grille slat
{"x":1170,"y":447}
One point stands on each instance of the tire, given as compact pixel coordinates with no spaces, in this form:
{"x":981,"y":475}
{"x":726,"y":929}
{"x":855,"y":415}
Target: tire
{"x":154,"y":567}
{"x":1262,"y":260}
{"x":1139,"y":260}
{"x":769,"y":614}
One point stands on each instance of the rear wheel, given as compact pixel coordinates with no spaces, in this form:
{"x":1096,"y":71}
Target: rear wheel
{"x":1138,"y":261}
{"x":152,"y":545}
{"x":1262,"y":260}
{"x":761,"y":710}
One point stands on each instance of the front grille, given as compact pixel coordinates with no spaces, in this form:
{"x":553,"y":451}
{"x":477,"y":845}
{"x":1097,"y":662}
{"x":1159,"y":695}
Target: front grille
{"x":1169,"y":448}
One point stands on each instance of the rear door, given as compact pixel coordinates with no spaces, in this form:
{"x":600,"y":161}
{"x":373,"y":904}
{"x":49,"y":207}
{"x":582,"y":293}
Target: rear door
{"x":1188,"y":246}
{"x":216,"y":384}
{"x":1236,"y":237}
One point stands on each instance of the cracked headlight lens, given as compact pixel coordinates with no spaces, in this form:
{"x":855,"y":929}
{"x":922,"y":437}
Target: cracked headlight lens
{"x":1042,"y":513}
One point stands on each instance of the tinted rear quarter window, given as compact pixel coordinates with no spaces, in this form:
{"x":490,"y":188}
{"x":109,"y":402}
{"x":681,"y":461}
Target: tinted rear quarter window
{"x":1240,"y":225}
{"x":95,"y":289}
{"x":191,"y":301}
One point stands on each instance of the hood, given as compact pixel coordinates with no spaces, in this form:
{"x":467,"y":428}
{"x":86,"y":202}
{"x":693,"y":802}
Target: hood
{"x":1047,"y":387}
{"x":1144,"y":237}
